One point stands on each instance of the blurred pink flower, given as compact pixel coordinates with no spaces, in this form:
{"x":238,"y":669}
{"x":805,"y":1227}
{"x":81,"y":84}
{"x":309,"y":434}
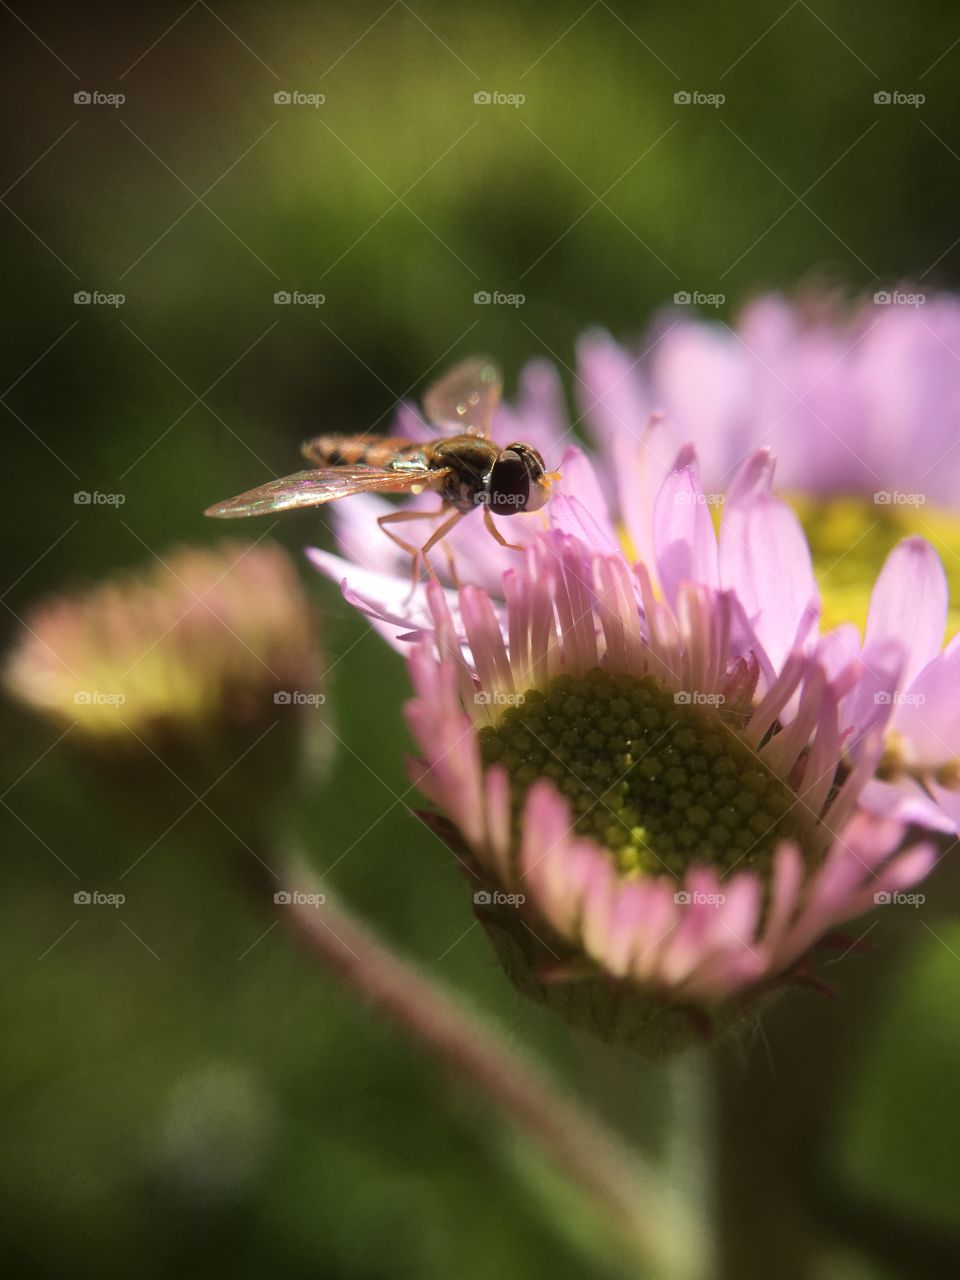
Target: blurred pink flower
{"x":850,"y":400}
{"x":909,"y":674}
{"x":190,"y":660}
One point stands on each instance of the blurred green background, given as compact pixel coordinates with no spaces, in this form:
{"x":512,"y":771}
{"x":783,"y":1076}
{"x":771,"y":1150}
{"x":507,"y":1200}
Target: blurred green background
{"x":177,"y":1100}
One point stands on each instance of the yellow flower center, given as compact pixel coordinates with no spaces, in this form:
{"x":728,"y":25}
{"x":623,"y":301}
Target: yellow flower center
{"x":659,"y":780}
{"x":850,"y":537}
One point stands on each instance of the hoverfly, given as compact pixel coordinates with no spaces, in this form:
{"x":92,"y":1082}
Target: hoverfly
{"x":466,"y":469}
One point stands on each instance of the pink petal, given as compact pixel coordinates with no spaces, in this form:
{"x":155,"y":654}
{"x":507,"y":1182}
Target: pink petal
{"x":578,"y":504}
{"x":949,"y":802}
{"x":838,"y":649}
{"x":765,"y":558}
{"x":361,"y":540}
{"x":870,"y":704}
{"x":928,"y":715}
{"x":610,"y":389}
{"x":907,"y":802}
{"x":701,"y":379}
{"x":909,"y":604}
{"x":384,"y":597}
{"x":686,"y":546}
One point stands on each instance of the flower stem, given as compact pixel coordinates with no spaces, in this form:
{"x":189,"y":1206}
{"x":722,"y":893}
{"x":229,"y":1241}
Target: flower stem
{"x":474,"y":1051}
{"x":691,"y":1155}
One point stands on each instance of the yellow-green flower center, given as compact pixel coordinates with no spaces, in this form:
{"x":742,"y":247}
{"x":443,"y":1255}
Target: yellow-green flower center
{"x":851,"y":537}
{"x":658,"y":778}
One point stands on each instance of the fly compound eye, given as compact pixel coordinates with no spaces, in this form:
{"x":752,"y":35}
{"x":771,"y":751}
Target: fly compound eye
{"x":509,"y":486}
{"x":517,"y":481}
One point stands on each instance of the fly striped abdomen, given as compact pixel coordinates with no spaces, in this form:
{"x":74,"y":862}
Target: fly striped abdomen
{"x":363,"y":451}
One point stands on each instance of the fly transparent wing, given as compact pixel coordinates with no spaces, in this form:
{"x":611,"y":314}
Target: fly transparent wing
{"x":312,"y":488}
{"x":464,"y":399}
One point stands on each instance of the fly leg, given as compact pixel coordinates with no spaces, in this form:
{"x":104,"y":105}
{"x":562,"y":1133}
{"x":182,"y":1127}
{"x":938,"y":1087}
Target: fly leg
{"x":415,"y":552}
{"x":435,"y":538}
{"x":452,"y":568}
{"x":495,"y":532}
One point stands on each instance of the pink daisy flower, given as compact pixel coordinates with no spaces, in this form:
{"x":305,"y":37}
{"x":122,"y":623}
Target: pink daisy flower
{"x":655,"y":772}
{"x":816,"y":553}
{"x":658,"y":821}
